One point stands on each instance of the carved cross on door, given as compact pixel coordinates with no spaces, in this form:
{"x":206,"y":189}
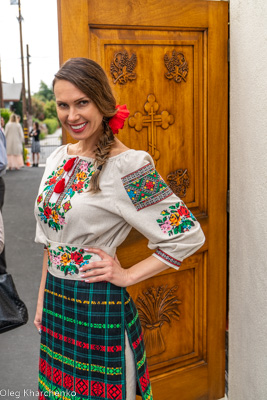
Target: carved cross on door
{"x":152,"y":120}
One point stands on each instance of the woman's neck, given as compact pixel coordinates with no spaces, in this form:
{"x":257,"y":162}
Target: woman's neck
{"x":83,"y":148}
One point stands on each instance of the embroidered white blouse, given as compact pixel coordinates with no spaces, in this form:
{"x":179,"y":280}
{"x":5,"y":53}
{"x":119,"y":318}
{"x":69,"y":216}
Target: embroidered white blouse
{"x":132,"y":194}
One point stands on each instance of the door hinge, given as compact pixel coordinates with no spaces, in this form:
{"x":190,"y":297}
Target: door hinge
{"x":228,"y":201}
{"x":228,"y":50}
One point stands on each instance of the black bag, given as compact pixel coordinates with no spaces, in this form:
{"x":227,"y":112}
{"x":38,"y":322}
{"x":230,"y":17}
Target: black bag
{"x":13,"y":312}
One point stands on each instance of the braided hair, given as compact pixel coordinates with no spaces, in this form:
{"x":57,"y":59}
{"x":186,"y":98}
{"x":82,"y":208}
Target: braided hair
{"x":91,"y":79}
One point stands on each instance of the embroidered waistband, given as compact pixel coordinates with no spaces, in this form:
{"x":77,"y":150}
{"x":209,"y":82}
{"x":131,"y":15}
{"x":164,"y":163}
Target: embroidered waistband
{"x":64,"y":259}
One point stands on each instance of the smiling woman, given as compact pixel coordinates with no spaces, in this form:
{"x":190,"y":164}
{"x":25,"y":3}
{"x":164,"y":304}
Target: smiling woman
{"x":91,"y":195}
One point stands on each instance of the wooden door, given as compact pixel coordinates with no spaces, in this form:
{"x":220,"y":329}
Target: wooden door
{"x":167,"y":60}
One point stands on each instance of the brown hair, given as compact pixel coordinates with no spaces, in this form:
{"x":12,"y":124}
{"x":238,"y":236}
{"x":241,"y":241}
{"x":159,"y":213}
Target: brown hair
{"x":91,"y":79}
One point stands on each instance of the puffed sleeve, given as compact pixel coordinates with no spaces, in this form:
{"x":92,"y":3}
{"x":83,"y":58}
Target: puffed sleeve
{"x":146,"y":203}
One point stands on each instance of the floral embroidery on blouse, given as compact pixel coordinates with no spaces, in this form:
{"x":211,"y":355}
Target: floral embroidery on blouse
{"x":145,"y":187}
{"x":177,"y":219}
{"x":53,"y":214}
{"x":68,"y":259}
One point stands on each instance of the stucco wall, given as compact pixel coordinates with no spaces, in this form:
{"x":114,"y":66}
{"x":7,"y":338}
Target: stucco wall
{"x":248,"y":200}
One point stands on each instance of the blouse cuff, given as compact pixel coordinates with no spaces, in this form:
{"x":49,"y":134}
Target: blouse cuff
{"x":167,"y":259}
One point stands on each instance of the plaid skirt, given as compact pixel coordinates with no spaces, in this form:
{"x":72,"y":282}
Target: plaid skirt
{"x":82,"y":354}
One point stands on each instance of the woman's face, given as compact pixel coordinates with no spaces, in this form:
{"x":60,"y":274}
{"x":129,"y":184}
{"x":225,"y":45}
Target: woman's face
{"x":77,"y":113}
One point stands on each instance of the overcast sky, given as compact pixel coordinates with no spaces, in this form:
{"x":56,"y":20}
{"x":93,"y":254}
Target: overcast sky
{"x":40,"y":32}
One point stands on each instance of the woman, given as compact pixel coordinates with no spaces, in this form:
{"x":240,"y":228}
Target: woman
{"x":14,"y":140}
{"x":35,"y":133}
{"x":89,"y":198}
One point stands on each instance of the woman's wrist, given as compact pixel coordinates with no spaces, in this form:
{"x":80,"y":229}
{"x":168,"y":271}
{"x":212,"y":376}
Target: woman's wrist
{"x":145,"y":269}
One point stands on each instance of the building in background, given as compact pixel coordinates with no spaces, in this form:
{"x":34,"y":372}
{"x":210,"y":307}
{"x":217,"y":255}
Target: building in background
{"x":11,"y":94}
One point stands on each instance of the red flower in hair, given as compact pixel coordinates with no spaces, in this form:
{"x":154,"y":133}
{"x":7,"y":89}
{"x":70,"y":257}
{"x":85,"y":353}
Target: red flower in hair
{"x":117,"y":121}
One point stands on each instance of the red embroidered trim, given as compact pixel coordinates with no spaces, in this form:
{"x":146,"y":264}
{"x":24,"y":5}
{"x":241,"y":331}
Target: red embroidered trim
{"x":78,"y":343}
{"x":168,"y":258}
{"x":138,"y":341}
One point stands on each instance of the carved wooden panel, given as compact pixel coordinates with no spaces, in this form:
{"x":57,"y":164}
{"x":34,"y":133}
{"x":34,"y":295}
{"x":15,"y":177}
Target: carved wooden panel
{"x":177,"y":66}
{"x":179,"y":182}
{"x":122,"y":67}
{"x":184,"y":141}
{"x":170,"y":310}
{"x":151,"y":121}
{"x":157,"y":306}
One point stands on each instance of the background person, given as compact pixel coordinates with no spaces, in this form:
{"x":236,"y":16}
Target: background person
{"x":2,"y":124}
{"x":14,"y":141}
{"x":89,"y":199}
{"x":35,"y":133}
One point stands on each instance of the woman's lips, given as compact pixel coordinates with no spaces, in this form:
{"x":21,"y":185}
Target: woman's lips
{"x":79,"y":127}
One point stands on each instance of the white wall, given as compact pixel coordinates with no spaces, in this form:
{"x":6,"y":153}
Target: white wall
{"x":248,"y":200}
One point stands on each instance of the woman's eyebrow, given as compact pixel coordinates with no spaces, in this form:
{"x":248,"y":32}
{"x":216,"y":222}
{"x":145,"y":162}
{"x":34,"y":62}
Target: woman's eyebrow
{"x":82,"y":98}
{"x":75,"y":101}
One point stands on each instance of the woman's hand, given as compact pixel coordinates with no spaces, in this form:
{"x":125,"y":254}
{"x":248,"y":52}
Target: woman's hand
{"x":38,"y":317}
{"x":107,"y":269}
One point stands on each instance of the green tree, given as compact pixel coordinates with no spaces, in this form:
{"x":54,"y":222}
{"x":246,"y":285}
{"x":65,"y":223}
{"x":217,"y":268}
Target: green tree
{"x":50,"y":109}
{"x":5,"y":113}
{"x":17,"y":108}
{"x":38,"y":108}
{"x":45,"y":93}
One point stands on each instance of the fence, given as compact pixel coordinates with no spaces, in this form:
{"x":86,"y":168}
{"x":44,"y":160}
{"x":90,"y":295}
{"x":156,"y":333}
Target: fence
{"x":48,"y":145}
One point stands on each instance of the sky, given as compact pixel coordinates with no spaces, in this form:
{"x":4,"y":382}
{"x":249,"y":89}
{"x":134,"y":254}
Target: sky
{"x":40,"y":32}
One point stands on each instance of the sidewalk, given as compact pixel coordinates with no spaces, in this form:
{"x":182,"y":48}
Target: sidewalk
{"x":19,"y":348}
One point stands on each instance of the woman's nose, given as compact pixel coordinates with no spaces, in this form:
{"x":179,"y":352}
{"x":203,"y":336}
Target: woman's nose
{"x":73,"y":114}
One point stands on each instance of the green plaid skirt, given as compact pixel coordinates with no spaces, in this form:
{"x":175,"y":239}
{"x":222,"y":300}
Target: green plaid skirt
{"x":82,"y":353}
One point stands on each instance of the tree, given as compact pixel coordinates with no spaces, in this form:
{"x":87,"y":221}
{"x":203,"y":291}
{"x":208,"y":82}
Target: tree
{"x":17,"y":108}
{"x":5,"y":113}
{"x":50,"y":109}
{"x":45,"y":93}
{"x":38,"y":108}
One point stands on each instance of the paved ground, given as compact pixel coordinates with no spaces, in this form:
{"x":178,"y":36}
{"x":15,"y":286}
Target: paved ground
{"x":19,"y":348}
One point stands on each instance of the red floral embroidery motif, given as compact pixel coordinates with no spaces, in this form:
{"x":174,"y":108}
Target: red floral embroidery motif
{"x":77,"y":257}
{"x":115,"y":392}
{"x":67,"y":206}
{"x":57,"y":376}
{"x":39,"y":199}
{"x":78,"y":186}
{"x":68,"y":259}
{"x":47,"y":212}
{"x":149,"y":185}
{"x":68,"y":381}
{"x":177,"y":219}
{"x":53,"y":214}
{"x":97,"y":389}
{"x":52,"y":180}
{"x":82,"y":386}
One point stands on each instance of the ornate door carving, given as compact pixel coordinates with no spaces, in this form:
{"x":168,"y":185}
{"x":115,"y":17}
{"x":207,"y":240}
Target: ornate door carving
{"x":151,"y":121}
{"x":181,"y":60}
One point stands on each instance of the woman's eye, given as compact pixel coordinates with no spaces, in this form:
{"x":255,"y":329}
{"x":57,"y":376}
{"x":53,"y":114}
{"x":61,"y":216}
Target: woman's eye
{"x":62,"y":105}
{"x":83,"y":102}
